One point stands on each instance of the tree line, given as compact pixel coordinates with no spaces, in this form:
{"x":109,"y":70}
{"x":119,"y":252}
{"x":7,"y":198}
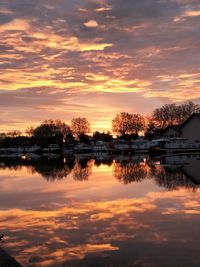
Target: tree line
{"x":126,"y":171}
{"x":124,"y":125}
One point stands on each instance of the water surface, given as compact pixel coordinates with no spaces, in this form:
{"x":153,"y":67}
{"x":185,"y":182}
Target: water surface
{"x":105,"y":211}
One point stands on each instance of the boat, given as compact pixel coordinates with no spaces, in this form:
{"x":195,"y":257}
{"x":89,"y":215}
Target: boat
{"x":51,"y":155}
{"x":82,"y":148}
{"x":100,"y":146}
{"x":12,"y":155}
{"x":121,"y":146}
{"x":32,"y":149}
{"x":175,"y":145}
{"x":52,"y":148}
{"x":16,"y":150}
{"x":32,"y":156}
{"x":22,"y":149}
{"x":187,"y":164}
{"x":140,"y":145}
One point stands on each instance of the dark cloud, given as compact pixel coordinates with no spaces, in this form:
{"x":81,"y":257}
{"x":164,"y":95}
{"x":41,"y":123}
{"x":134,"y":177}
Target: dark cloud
{"x":144,"y":10}
{"x":149,"y":47}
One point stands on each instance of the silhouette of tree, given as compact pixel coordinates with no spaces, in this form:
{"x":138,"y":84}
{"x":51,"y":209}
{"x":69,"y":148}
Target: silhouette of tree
{"x":15,"y":133}
{"x":152,"y":129}
{"x":30,"y":131}
{"x":62,"y":127}
{"x":16,"y":141}
{"x":186,"y":110}
{"x":106,"y":137}
{"x":171,"y":114}
{"x":50,"y":128}
{"x":80,"y":126}
{"x":125,"y":123}
{"x":2,"y":135}
{"x":51,"y":131}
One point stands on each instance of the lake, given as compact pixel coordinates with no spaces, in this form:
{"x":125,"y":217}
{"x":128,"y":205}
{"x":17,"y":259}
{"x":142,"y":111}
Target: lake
{"x":101,"y":211}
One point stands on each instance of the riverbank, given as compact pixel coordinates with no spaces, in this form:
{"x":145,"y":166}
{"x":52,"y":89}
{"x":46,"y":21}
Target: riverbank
{"x":7,"y":261}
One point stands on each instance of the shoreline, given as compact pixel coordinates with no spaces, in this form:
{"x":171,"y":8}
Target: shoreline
{"x":7,"y":261}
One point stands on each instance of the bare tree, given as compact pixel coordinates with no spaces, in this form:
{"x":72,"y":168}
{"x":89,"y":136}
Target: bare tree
{"x":30,"y":131}
{"x":63,"y":128}
{"x":51,"y":128}
{"x":186,"y":110}
{"x":15,"y":133}
{"x":126,"y":123}
{"x":151,"y":128}
{"x":171,"y":114}
{"x":164,"y":116}
{"x":138,"y":123}
{"x":80,"y":126}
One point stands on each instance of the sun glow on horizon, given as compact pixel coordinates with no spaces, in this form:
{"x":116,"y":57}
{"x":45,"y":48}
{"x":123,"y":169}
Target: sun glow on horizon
{"x":81,"y":59}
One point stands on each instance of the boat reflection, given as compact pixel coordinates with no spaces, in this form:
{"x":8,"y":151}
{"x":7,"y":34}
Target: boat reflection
{"x":187,"y":165}
{"x":170,"y":172}
{"x":101,"y":211}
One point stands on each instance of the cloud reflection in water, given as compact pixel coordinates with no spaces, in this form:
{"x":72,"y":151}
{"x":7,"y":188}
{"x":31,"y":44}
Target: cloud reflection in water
{"x":64,"y":224}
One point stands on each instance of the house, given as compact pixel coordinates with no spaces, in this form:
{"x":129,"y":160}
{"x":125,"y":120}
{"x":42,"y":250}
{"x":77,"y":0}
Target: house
{"x":190,"y":128}
{"x":171,"y":131}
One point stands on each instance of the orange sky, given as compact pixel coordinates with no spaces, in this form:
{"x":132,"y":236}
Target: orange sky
{"x":95,"y":58}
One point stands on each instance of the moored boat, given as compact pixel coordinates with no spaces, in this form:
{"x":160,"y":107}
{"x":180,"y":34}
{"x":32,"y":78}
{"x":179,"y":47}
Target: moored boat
{"x":140,"y":145}
{"x":175,"y":145}
{"x":32,"y":149}
{"x":82,"y":148}
{"x":100,"y":146}
{"x":122,"y":146}
{"x":52,"y":148}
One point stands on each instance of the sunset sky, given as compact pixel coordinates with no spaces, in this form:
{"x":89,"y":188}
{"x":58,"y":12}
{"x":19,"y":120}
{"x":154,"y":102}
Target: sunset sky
{"x":61,"y":59}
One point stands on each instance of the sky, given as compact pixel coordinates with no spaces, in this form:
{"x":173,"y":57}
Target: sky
{"x":95,"y":58}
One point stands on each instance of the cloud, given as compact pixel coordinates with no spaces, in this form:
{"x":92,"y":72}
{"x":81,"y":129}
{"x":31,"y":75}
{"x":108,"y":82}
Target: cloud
{"x":31,"y":106}
{"x":42,"y":222}
{"x":91,"y":24}
{"x":105,"y":46}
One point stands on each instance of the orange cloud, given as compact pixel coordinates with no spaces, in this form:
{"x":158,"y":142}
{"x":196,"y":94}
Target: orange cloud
{"x":91,"y":24}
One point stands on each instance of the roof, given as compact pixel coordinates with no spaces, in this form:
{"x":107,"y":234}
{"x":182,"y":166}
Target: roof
{"x":197,"y":115}
{"x":173,"y":127}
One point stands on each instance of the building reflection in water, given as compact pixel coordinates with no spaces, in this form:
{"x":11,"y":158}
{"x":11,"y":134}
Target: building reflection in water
{"x":168,"y":171}
{"x":132,"y":211}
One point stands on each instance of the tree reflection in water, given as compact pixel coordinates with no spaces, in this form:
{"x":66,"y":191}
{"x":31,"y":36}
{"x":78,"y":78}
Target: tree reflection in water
{"x":82,"y":169}
{"x":53,"y":169}
{"x":169,"y":178}
{"x":128,"y":172}
{"x":125,"y":170}
{"x":172,"y":179}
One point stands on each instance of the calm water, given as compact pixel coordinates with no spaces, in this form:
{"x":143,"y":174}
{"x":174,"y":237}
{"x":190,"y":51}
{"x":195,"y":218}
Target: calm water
{"x":122,"y":211}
